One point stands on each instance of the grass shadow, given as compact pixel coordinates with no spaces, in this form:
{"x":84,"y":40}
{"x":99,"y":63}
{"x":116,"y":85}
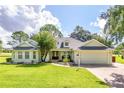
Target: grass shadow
{"x":102,"y":83}
{"x":4,"y":63}
{"x":27,"y":65}
{"x":32,"y":65}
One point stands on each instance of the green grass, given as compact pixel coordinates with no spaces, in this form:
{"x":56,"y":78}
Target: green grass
{"x":3,"y":57}
{"x":119,"y":59}
{"x":46,"y":75}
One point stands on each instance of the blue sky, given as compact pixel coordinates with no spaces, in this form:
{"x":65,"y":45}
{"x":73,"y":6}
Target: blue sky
{"x":70,"y":16}
{"x":30,"y":18}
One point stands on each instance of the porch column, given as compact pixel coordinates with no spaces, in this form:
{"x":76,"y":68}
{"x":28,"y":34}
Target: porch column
{"x":60,"y":55}
{"x":50,"y":55}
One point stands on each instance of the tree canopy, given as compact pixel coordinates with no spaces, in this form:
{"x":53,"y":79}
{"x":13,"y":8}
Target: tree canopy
{"x":53,"y":29}
{"x":80,"y":34}
{"x":102,"y":40}
{"x":0,"y":44}
{"x":19,"y":36}
{"x":119,"y":48}
{"x":114,"y":27}
{"x":84,"y":35}
{"x":46,"y":42}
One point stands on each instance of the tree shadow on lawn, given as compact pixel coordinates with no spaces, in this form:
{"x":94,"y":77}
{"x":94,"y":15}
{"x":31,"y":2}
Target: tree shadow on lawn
{"x":32,"y":65}
{"x":103,"y":83}
{"x":4,"y":63}
{"x":27,"y":65}
{"x":118,"y":80}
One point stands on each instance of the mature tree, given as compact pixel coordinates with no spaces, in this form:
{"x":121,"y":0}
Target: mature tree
{"x":0,"y":45}
{"x":114,"y":28}
{"x":46,"y":42}
{"x":102,"y":40}
{"x":19,"y":36}
{"x":53,"y":29}
{"x":81,"y":34}
{"x":119,"y":48}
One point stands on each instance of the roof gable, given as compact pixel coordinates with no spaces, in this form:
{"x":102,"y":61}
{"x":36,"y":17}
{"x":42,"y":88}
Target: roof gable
{"x":25,"y":44}
{"x":93,"y":42}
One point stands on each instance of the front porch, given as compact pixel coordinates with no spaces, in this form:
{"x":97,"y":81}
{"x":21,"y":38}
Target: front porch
{"x":57,"y":55}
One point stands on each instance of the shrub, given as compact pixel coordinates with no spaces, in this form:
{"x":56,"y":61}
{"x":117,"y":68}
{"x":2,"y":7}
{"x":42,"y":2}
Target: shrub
{"x":49,"y":62}
{"x":122,"y":57}
{"x":9,"y":60}
{"x":66,"y":60}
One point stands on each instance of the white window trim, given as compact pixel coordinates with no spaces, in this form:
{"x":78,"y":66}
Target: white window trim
{"x":34,"y":54}
{"x":21,"y":54}
{"x":28,"y":54}
{"x":65,"y":44}
{"x":13,"y":55}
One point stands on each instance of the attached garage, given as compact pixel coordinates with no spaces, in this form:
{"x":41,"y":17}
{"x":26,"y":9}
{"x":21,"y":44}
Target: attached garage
{"x":95,"y":57}
{"x":93,"y":52}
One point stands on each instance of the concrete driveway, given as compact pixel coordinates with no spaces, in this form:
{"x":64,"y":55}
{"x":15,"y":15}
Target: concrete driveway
{"x":113,"y":75}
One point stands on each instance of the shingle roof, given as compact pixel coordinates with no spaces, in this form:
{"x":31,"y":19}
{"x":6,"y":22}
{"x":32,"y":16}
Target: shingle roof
{"x":27,"y":45}
{"x":25,"y":48}
{"x":73,"y":43}
{"x":79,"y":45}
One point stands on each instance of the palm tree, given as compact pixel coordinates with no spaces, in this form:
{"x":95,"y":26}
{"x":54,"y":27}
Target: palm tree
{"x":46,"y":42}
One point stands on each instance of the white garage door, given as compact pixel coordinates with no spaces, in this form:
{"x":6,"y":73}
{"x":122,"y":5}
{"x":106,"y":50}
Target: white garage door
{"x":94,"y":57}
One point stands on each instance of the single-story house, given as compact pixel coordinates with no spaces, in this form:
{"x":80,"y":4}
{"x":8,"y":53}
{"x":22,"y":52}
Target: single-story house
{"x":89,"y":52}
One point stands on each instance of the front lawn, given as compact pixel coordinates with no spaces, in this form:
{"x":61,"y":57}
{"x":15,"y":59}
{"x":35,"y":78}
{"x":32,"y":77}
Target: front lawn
{"x":46,"y":75}
{"x":119,"y":59}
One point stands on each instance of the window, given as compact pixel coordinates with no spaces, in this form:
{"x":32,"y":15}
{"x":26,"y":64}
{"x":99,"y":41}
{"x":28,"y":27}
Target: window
{"x":34,"y":55}
{"x":66,"y":44}
{"x":19,"y":55}
{"x":26,"y":55}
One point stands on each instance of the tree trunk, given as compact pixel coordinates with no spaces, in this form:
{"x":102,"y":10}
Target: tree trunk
{"x":45,"y":55}
{"x":41,"y":56}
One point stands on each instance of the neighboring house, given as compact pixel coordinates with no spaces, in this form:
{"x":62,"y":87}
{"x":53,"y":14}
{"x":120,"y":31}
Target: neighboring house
{"x":89,"y":52}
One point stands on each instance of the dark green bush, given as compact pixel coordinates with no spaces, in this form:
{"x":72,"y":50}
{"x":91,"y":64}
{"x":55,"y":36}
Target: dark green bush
{"x":48,"y":62}
{"x":66,"y":60}
{"x":9,"y":60}
{"x":122,"y":57}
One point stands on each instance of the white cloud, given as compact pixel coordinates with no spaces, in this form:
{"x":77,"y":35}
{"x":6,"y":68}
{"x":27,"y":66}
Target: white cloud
{"x":99,"y":23}
{"x":66,"y":33}
{"x":5,"y":36}
{"x":26,"y":18}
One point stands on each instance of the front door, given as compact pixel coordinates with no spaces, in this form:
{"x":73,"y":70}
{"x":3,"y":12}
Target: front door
{"x":55,"y":55}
